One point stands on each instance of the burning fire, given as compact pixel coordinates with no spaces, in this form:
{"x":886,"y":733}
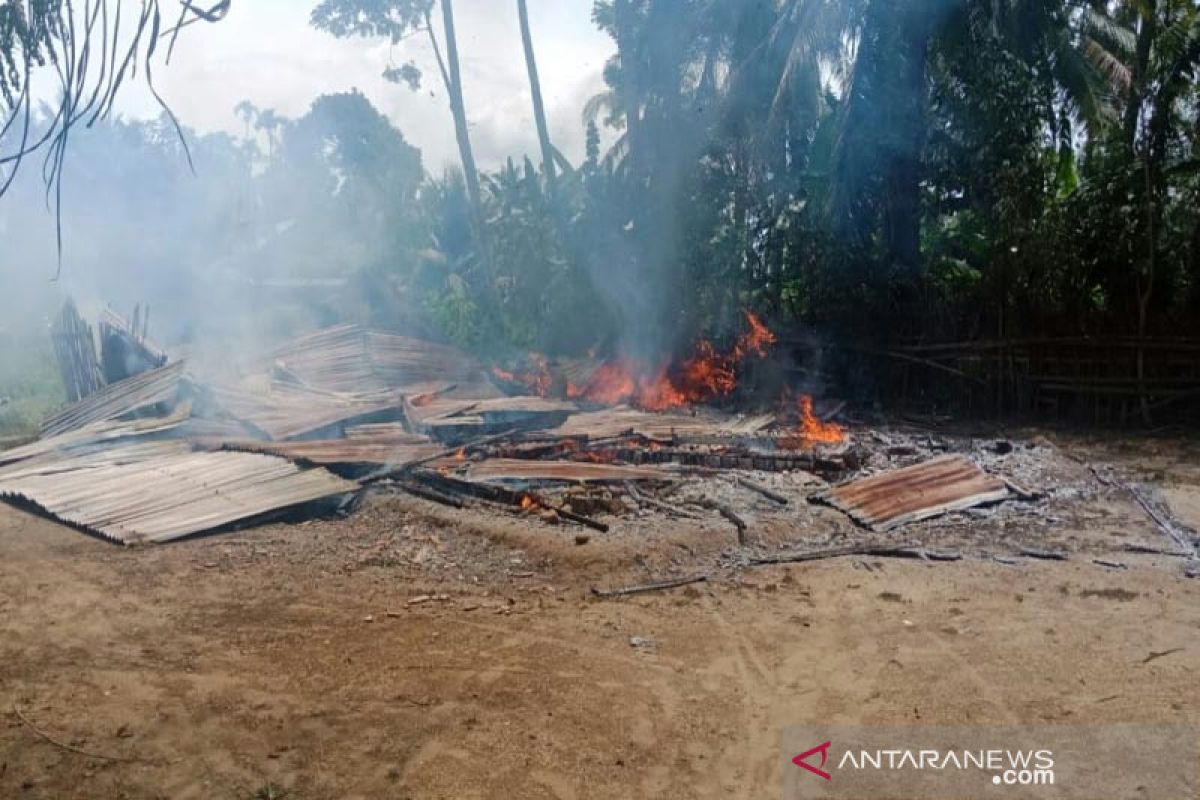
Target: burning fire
{"x":811,"y":431}
{"x":705,"y":375}
{"x":536,"y":375}
{"x":527,"y":503}
{"x":757,"y":340}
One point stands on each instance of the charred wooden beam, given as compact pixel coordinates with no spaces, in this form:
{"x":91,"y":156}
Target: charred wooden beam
{"x":648,"y":499}
{"x":831,"y":465}
{"x":588,"y":522}
{"x":763,"y":490}
{"x":739,"y":523}
{"x":499,"y":494}
{"x":886,"y":551}
{"x":429,"y":493}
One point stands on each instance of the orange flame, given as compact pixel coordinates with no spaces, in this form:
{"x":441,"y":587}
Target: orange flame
{"x":527,"y":502}
{"x":705,"y":375}
{"x":816,"y":431}
{"x":757,"y":340}
{"x":535,"y":376}
{"x":811,"y":431}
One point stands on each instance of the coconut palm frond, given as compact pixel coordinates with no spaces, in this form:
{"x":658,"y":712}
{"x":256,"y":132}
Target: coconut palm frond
{"x":1101,"y":27}
{"x":1113,"y":68}
{"x":602,"y":103}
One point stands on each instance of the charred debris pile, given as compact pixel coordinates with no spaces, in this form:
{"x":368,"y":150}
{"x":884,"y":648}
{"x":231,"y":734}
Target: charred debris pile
{"x":147,"y":451}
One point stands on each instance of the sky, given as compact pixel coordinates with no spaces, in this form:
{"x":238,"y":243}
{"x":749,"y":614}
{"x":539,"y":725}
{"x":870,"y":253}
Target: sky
{"x":266,"y":52}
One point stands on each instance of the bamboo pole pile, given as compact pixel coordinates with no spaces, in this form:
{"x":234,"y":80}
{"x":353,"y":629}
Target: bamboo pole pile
{"x":75,"y":350}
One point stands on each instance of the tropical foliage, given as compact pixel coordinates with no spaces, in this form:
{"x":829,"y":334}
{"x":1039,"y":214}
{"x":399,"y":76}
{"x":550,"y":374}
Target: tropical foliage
{"x":883,"y":168}
{"x":935,"y":168}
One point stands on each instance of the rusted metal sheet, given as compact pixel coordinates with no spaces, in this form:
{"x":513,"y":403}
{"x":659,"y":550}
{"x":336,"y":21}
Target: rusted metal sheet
{"x":499,"y":469}
{"x":160,"y":491}
{"x":333,"y":359}
{"x":450,"y":418}
{"x":403,"y":362}
{"x":119,"y":399}
{"x":97,"y":435}
{"x":616,"y":421}
{"x":288,"y":412}
{"x":940,"y":485}
{"x":391,"y":450}
{"x":351,"y":359}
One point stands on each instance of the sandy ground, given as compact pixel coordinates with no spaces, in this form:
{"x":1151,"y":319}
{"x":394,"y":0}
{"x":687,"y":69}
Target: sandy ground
{"x":292,"y":661}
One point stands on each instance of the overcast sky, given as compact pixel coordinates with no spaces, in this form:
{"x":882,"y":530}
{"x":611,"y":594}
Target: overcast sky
{"x":265,"y":52}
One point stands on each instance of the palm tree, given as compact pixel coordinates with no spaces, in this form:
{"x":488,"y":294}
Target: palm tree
{"x":876,"y":170}
{"x":397,"y":20}
{"x":535,"y":89}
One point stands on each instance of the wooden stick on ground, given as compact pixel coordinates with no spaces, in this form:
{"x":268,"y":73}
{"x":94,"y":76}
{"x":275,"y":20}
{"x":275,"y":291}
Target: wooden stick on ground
{"x":729,"y":514}
{"x":1164,"y":525}
{"x":595,"y":525}
{"x":1021,"y":492}
{"x":1045,"y":555}
{"x":1154,"y":551}
{"x":648,"y":587}
{"x":763,"y":490}
{"x":429,"y":493}
{"x":649,"y":500}
{"x":69,"y":748}
{"x":890,"y":551}
{"x":739,"y":523}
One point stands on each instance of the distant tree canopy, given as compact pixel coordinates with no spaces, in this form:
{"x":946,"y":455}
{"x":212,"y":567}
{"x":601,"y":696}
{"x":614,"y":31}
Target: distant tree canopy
{"x":913,"y":168}
{"x":90,"y":50}
{"x":905,"y":167}
{"x":882,"y":168}
{"x":332,"y":195}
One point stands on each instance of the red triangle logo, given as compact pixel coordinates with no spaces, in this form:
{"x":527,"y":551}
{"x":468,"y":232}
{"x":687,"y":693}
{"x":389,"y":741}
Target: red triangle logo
{"x":802,"y":760}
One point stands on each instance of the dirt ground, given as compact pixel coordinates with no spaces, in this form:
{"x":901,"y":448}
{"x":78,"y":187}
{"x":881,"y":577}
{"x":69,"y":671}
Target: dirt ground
{"x":416,"y":652}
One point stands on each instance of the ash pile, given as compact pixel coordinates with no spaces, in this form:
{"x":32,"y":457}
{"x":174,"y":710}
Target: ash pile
{"x":149,"y":452}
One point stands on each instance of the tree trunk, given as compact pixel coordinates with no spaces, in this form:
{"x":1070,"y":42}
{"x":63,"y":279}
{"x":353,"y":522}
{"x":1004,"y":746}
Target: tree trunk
{"x":535,"y":89}
{"x":630,"y":96}
{"x":877,"y":163}
{"x":1147,"y":30}
{"x":453,"y":76}
{"x":902,"y":189}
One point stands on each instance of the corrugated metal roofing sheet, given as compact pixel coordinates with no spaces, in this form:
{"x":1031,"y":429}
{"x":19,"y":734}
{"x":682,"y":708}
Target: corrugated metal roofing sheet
{"x":287,"y":412}
{"x":159,"y":491}
{"x":391,"y":450}
{"x":401,"y":361}
{"x":105,"y":433}
{"x":943,"y":484}
{"x":439,"y":416}
{"x":348,"y":358}
{"x":623,"y":419}
{"x":118,"y":399}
